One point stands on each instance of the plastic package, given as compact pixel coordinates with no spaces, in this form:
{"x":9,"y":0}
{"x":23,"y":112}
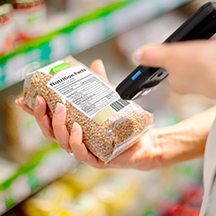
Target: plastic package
{"x":110,"y":125}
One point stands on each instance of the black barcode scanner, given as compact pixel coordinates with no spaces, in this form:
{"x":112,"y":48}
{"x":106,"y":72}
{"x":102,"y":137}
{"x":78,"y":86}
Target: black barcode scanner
{"x":201,"y":25}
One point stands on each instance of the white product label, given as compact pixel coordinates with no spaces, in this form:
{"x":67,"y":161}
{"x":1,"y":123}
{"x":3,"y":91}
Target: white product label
{"x":85,"y":91}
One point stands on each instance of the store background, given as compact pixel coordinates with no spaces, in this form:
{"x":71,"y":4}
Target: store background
{"x":38,"y":178}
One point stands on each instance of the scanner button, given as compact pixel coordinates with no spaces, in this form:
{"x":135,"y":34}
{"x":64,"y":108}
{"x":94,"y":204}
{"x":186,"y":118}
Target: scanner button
{"x":136,"y":75}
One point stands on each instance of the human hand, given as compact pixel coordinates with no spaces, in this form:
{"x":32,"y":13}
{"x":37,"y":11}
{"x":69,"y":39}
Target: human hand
{"x":43,"y":119}
{"x":140,"y":156}
{"x":157,"y":148}
{"x":191,"y":64}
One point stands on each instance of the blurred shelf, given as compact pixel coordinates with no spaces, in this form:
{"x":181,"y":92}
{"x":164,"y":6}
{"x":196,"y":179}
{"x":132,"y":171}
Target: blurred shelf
{"x":21,"y":181}
{"x":80,"y":34}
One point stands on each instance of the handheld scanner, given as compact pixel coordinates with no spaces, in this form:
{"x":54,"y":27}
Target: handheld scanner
{"x":201,"y":25}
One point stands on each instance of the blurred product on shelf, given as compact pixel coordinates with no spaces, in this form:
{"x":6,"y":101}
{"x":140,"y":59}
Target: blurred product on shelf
{"x":86,"y":191}
{"x":113,"y":193}
{"x":7,"y":30}
{"x":120,"y":192}
{"x":23,"y":135}
{"x":188,"y":205}
{"x":30,"y":18}
{"x":78,"y":179}
{"x":80,"y":6}
{"x":86,"y":204}
{"x":49,"y":200}
{"x":192,"y":195}
{"x":58,"y":199}
{"x":21,"y":181}
{"x":70,"y":195}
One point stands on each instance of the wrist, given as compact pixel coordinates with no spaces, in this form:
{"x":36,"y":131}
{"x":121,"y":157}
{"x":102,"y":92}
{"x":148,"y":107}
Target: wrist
{"x":176,"y":144}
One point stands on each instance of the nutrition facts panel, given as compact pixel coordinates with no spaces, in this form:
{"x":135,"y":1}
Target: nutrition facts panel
{"x":85,"y":91}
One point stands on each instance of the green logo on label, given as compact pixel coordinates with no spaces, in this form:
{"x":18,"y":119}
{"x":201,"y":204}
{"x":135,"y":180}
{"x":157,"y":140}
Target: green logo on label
{"x":59,"y":67}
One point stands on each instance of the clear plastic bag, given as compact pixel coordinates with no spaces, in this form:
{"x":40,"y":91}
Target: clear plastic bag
{"x":110,"y":125}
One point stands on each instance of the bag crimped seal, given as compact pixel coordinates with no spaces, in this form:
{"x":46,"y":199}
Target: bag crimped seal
{"x":110,"y":125}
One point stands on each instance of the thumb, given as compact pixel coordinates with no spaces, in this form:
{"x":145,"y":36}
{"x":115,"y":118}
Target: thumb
{"x":98,"y":67}
{"x":151,"y":55}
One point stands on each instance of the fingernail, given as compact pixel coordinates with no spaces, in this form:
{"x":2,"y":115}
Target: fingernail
{"x":137,"y":56}
{"x":99,"y":60}
{"x":37,"y":101}
{"x":16,"y":101}
{"x":58,"y":108}
{"x":75,"y":127}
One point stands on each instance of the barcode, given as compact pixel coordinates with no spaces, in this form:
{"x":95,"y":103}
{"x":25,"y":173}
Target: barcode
{"x":119,"y":104}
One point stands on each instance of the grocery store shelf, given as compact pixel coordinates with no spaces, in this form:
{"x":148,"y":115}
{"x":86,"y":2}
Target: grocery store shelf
{"x":81,"y":34}
{"x":24,"y":180}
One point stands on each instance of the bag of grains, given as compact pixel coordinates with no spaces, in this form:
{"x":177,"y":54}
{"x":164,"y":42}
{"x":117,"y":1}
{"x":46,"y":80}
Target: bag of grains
{"x":110,"y":125}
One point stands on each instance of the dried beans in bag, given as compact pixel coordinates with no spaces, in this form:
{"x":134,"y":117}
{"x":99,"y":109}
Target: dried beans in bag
{"x":110,"y":125}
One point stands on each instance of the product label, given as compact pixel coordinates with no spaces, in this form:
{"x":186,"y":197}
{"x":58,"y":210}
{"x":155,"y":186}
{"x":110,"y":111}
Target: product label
{"x":88,"y":93}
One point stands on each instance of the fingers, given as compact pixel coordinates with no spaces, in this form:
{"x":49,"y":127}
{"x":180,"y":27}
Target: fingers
{"x":58,"y":132}
{"x":42,"y":118}
{"x":59,"y":127}
{"x":170,"y":53}
{"x":40,"y":114}
{"x":152,"y":55}
{"x":81,"y":153}
{"x":20,"y":102}
{"x":98,"y":67}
